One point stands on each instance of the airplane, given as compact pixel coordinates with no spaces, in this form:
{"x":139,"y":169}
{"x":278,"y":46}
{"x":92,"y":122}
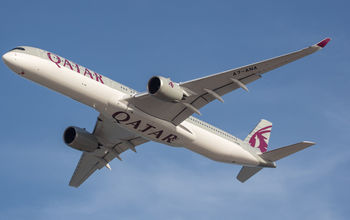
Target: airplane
{"x":163,"y":113}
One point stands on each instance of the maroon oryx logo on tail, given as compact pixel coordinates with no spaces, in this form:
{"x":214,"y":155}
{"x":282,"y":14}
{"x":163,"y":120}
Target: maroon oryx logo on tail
{"x":261,"y":138}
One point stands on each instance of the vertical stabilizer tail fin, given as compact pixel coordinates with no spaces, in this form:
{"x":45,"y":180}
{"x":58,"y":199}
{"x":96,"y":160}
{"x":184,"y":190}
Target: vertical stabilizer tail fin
{"x":259,"y":137}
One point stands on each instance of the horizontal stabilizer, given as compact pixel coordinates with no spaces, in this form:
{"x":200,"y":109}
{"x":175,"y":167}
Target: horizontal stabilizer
{"x":282,"y":152}
{"x":247,"y":172}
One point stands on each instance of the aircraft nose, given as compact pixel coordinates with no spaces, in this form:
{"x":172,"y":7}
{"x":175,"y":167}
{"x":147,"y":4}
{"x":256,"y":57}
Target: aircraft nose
{"x":10,"y":61}
{"x":6,"y":58}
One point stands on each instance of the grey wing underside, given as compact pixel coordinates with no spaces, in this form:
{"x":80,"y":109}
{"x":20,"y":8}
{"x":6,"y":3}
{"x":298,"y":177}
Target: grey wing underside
{"x":114,"y":139}
{"x":205,"y":90}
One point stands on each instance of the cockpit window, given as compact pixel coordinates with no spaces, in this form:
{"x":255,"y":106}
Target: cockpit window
{"x":18,"y":48}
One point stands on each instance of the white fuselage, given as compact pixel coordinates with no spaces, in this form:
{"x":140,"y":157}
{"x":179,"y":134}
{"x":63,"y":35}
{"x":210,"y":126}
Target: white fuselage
{"x":90,"y":88}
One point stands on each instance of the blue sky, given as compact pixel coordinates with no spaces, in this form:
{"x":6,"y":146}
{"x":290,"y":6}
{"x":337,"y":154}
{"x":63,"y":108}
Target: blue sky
{"x":130,"y":41}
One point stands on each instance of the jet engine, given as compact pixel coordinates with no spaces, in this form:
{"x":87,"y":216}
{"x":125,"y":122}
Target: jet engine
{"x":164,"y":89}
{"x":80,"y":139}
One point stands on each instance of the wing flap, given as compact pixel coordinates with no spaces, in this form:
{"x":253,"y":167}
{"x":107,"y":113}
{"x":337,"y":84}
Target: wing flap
{"x":207,"y":98}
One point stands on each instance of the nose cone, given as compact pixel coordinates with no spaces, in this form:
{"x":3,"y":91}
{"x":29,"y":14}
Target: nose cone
{"x":9,"y":59}
{"x":6,"y":58}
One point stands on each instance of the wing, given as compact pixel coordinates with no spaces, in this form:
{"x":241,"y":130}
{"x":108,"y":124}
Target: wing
{"x":114,"y":141}
{"x":209,"y":88}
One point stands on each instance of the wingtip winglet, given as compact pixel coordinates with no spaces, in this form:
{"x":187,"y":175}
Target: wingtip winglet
{"x":324,"y":42}
{"x":309,"y":142}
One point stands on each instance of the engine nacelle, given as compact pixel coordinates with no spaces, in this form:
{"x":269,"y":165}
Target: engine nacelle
{"x":165,"y":89}
{"x":80,"y":139}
